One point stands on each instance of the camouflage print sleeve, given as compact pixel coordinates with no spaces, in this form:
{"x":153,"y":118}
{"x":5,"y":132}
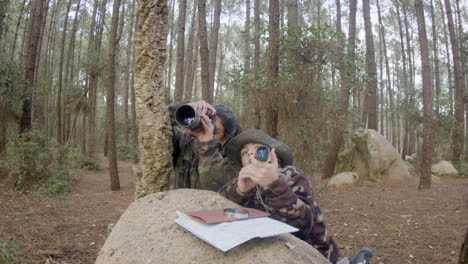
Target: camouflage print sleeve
{"x":231,"y":192}
{"x":291,"y":199}
{"x":214,"y":170}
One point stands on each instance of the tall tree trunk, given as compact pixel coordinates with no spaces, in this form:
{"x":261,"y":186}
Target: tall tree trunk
{"x":271,"y":120}
{"x":389,"y":83}
{"x":247,"y":38}
{"x":458,"y":138}
{"x":128,"y":69}
{"x":371,"y":69}
{"x":95,"y":50}
{"x":213,"y":48}
{"x":449,"y":68}
{"x":59,"y":119}
{"x":426,"y":158}
{"x":256,"y":59}
{"x":37,"y":17}
{"x":110,"y":98}
{"x":154,"y":127}
{"x":169,"y":61}
{"x":179,"y":82}
{"x":436,"y":61}
{"x":191,"y":78}
{"x":191,"y":52}
{"x":207,"y":94}
{"x":20,"y":17}
{"x":346,"y":85}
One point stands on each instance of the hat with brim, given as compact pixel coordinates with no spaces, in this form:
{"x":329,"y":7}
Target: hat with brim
{"x":235,"y":145}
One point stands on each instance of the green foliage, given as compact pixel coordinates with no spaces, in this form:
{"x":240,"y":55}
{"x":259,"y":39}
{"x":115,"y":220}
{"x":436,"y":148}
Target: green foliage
{"x":127,"y":152}
{"x":12,"y":85}
{"x":80,"y":161}
{"x":7,"y":251}
{"x":462,"y":168}
{"x":36,"y":162}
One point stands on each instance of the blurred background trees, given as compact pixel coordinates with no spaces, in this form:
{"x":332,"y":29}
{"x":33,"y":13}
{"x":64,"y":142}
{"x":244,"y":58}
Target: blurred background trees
{"x":308,"y":72}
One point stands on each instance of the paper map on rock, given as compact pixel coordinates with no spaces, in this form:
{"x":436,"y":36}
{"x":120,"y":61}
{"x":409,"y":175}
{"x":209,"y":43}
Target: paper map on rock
{"x":227,"y":235}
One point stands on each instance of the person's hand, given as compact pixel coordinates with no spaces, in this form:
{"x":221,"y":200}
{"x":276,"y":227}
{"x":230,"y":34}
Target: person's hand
{"x":244,"y":183}
{"x":202,"y":107}
{"x":263,"y":173}
{"x":206,"y":132}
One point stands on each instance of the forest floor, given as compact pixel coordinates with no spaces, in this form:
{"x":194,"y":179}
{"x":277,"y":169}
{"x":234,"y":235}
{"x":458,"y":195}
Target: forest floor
{"x":401,"y":224}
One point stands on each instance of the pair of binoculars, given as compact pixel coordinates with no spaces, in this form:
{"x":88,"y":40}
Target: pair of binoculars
{"x":187,"y":117}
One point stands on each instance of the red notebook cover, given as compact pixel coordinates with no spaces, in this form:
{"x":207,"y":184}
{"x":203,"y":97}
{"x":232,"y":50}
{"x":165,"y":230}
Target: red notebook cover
{"x":216,"y":216}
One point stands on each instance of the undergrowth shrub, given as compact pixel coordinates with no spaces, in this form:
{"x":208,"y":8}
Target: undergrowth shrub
{"x":80,"y":161}
{"x":37,"y":162}
{"x":7,"y":251}
{"x":127,"y":152}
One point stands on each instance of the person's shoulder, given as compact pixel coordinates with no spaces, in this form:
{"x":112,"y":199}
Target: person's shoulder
{"x":292,"y":171}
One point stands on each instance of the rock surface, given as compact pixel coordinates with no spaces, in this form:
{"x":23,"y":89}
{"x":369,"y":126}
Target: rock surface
{"x":344,"y":178}
{"x":376,"y":159}
{"x":147,"y":233}
{"x":444,"y":169}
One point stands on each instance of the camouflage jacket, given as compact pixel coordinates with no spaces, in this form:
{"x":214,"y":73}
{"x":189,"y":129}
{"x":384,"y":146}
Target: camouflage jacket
{"x":289,"y":199}
{"x":198,"y":165}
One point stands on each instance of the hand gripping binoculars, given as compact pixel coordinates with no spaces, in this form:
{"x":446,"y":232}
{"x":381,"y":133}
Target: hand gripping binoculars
{"x":187,"y":117}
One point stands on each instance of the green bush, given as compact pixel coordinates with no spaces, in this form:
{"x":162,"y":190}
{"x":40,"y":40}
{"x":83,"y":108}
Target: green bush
{"x":462,"y":168}
{"x":7,"y":251}
{"x":80,"y":161}
{"x":36,"y":162}
{"x":127,"y":152}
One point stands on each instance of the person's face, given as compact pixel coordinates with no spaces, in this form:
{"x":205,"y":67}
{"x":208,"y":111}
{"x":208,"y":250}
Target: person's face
{"x":219,"y":133}
{"x":248,"y":153}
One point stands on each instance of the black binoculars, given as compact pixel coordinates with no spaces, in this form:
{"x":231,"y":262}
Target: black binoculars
{"x":186,"y":116}
{"x":261,"y":154}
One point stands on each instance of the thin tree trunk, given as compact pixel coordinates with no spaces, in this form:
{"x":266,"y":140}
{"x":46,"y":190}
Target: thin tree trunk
{"x":20,"y":17}
{"x":346,"y":85}
{"x":271,"y":120}
{"x":169,"y":61}
{"x":128,"y":69}
{"x":110,"y":98}
{"x":458,"y":138}
{"x":389,"y":83}
{"x":191,"y":52}
{"x":179,"y":82}
{"x":207,"y":94}
{"x":213,"y":48}
{"x":436,"y":61}
{"x":247,"y":38}
{"x":371,"y":69}
{"x":426,"y":158}
{"x":60,"y":77}
{"x":448,"y":64}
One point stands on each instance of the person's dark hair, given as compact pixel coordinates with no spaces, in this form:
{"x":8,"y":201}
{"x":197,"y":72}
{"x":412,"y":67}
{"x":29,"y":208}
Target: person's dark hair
{"x":231,"y":127}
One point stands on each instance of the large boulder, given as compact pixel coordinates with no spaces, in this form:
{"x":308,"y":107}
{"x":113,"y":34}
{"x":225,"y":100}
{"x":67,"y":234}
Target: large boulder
{"x":376,"y":159}
{"x":147,"y":233}
{"x":444,"y":169}
{"x":344,"y":178}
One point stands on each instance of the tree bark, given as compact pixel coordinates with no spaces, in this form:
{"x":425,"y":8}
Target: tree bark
{"x":110,"y":98}
{"x":371,"y":69}
{"x":20,"y":17}
{"x":458,"y":138}
{"x":436,"y":60}
{"x":207,"y":94}
{"x":213,"y":48}
{"x":191,"y":53}
{"x":128,"y":69}
{"x":247,"y":38}
{"x":271,"y":120}
{"x":346,"y":85}
{"x":179,"y":82}
{"x":37,"y":17}
{"x":427,"y":149}
{"x":154,"y":127}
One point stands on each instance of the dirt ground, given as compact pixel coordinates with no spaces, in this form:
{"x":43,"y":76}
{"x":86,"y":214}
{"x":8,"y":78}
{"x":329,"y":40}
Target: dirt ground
{"x":400,"y":223}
